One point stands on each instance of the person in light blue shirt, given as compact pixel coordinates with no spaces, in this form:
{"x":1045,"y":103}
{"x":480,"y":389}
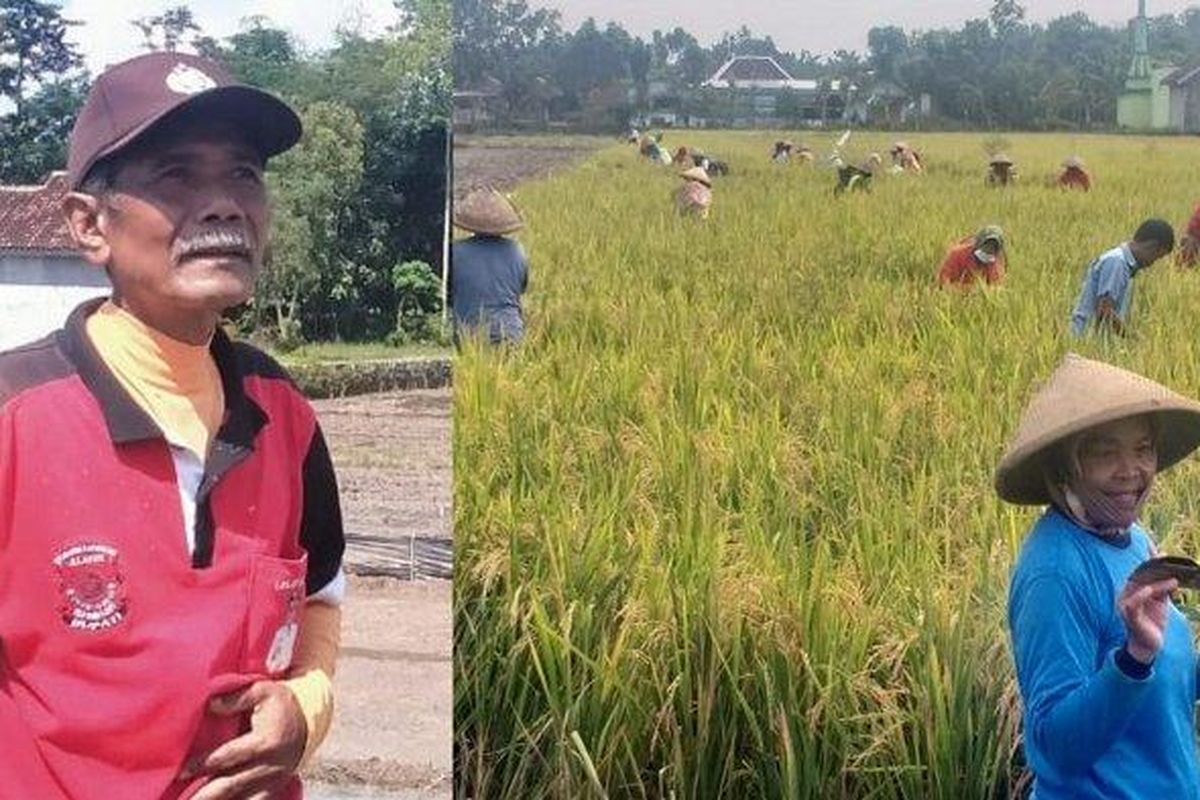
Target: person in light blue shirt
{"x":488,"y":272}
{"x":1105,"y":664}
{"x":1105,"y":296}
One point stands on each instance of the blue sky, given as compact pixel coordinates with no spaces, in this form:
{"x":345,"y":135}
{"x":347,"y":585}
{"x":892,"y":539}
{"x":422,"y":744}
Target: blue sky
{"x":107,"y":36}
{"x":822,"y":26}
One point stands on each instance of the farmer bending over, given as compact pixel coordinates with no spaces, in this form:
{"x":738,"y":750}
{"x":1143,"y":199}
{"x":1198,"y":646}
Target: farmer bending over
{"x":1074,"y":175}
{"x":1001,"y":171}
{"x":1107,"y":290}
{"x":975,"y":258}
{"x":694,"y":197}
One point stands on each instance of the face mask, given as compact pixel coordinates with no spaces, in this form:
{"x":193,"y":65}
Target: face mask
{"x":984,"y":257}
{"x":1101,"y":512}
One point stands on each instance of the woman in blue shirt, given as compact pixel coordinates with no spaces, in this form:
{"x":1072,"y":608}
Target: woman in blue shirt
{"x":1106,"y":666}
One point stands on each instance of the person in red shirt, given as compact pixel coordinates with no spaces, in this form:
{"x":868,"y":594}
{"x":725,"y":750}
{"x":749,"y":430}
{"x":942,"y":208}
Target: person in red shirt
{"x":1189,"y":245}
{"x":170,"y":535}
{"x":975,"y":258}
{"x":1074,"y":175}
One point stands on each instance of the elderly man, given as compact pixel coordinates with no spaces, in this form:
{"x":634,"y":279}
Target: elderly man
{"x":1107,"y":290}
{"x":975,"y":258}
{"x":170,"y":535}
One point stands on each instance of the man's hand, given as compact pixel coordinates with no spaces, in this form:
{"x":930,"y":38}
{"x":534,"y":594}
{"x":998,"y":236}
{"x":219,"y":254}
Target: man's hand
{"x":1106,"y":315}
{"x":261,"y":761}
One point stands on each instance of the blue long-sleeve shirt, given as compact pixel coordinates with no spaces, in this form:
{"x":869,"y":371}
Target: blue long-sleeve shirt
{"x":1091,"y":731}
{"x":488,"y":275}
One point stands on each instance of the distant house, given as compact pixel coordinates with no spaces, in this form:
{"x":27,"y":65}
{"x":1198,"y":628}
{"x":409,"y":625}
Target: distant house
{"x":1184,"y":86}
{"x":478,"y":106}
{"x":755,"y":72}
{"x":760,"y":92}
{"x":42,"y":276}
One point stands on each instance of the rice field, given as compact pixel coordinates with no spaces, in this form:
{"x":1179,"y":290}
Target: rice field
{"x":724,"y":524}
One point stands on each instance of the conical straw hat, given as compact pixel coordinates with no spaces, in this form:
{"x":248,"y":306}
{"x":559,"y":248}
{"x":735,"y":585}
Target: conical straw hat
{"x":1082,"y":394}
{"x":696,"y":174}
{"x":1001,"y":158}
{"x":1074,"y":161}
{"x":487,"y":211}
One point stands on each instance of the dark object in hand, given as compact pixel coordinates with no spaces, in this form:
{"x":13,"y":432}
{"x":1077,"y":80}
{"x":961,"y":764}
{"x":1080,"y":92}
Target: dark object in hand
{"x":1181,"y":568}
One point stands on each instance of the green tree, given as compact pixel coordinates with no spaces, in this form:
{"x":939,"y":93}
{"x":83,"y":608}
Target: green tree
{"x":264,"y":56}
{"x":33,"y":143}
{"x":887,"y":48}
{"x":33,"y":48}
{"x":166,"y":31}
{"x":312,"y":186}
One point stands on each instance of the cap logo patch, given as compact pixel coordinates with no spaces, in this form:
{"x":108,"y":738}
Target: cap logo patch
{"x":186,"y":79}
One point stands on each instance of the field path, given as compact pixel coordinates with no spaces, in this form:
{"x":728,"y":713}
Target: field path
{"x":504,"y":161}
{"x":392,"y":729}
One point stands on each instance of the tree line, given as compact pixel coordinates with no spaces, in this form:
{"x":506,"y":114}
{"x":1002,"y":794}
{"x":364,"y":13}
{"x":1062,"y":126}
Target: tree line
{"x":996,"y":71}
{"x":356,"y":244}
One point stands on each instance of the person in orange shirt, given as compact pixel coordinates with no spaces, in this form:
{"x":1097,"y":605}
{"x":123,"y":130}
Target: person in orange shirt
{"x":1189,"y":245}
{"x":1074,"y":175}
{"x":978,"y":257}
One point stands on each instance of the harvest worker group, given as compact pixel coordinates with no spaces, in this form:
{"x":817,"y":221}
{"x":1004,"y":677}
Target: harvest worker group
{"x":170,"y":535}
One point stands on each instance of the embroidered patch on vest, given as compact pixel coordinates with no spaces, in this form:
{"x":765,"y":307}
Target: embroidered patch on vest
{"x":92,"y":587}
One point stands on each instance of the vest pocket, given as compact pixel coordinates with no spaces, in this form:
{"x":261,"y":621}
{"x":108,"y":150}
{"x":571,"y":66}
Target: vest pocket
{"x":276,"y":598}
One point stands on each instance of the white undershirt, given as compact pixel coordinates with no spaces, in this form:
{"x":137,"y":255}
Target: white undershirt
{"x":189,"y":472}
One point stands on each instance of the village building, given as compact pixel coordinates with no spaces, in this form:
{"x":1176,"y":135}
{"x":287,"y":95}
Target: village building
{"x":42,"y":276}
{"x":756,"y":90}
{"x":1158,"y":98}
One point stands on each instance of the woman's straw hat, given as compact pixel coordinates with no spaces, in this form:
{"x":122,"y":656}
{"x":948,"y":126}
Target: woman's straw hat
{"x":487,"y":211}
{"x":1001,"y":158}
{"x":1074,"y":162}
{"x":1082,"y":394}
{"x":900,"y":147}
{"x":696,"y":174}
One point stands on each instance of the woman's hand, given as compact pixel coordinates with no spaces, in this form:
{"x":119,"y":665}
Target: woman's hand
{"x":1143,"y":607}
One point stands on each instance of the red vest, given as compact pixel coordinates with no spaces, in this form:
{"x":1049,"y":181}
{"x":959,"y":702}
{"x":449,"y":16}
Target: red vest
{"x":115,"y":638}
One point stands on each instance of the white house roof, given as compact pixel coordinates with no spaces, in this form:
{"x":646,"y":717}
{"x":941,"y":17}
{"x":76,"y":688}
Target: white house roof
{"x":760,"y":72}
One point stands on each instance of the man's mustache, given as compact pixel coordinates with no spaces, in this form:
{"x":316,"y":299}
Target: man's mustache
{"x":214,"y":240}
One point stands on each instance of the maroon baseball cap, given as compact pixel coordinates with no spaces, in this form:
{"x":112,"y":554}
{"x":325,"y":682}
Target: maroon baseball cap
{"x":130,"y":98}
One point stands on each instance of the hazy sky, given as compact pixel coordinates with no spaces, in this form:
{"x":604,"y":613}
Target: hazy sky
{"x":107,"y":35}
{"x":822,"y":26}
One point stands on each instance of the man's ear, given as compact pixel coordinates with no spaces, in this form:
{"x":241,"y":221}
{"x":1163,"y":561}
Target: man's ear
{"x":86,"y":217}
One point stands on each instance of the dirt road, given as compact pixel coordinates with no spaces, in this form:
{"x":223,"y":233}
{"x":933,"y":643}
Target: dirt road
{"x":392,"y":727}
{"x":504,"y":162}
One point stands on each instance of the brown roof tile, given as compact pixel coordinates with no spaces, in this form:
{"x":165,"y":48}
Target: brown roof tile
{"x":31,"y":216}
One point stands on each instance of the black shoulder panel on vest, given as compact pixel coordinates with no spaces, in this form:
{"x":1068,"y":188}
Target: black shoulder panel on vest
{"x":252,"y":361}
{"x":29,"y":365}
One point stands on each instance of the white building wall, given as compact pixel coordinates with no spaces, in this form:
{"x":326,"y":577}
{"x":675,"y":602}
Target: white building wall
{"x":37,"y":292}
